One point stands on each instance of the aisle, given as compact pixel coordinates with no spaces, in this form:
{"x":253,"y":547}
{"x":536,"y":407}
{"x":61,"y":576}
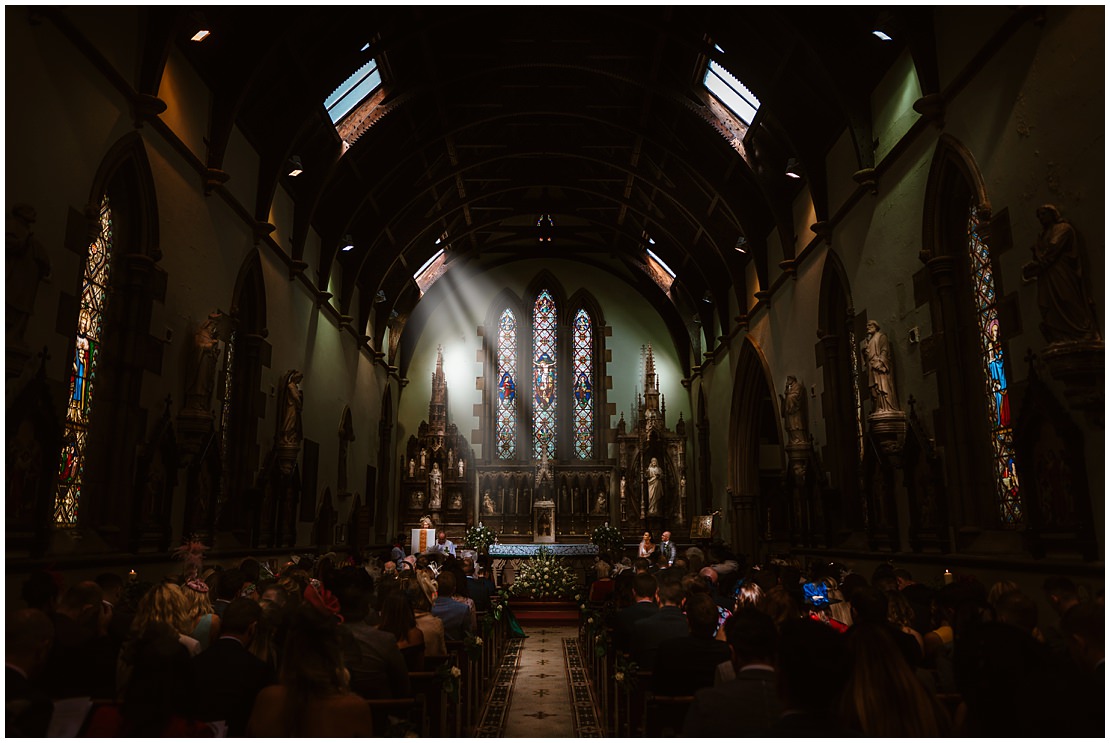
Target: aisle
{"x":541,"y":689}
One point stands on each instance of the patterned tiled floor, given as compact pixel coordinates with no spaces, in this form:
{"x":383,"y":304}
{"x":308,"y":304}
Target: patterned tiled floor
{"x":541,"y":689}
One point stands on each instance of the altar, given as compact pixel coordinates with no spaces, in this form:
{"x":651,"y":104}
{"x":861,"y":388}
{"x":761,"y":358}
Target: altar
{"x":505,"y":559}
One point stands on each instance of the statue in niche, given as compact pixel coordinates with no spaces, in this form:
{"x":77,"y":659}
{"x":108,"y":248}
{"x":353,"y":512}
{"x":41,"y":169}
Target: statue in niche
{"x":416,"y":502}
{"x":544,"y":522}
{"x":450,"y":457}
{"x":27,"y":265}
{"x":1067,"y":312}
{"x":655,"y":487}
{"x":412,"y":467}
{"x":488,"y":506}
{"x":456,"y":501}
{"x":423,"y":459}
{"x":877,"y":359}
{"x":203,"y":357}
{"x":462,"y":467}
{"x":292,"y":405}
{"x":435,"y":485}
{"x":793,"y":411}
{"x":682,"y":489}
{"x":575,"y":504}
{"x":346,"y":436}
{"x":601,"y":503}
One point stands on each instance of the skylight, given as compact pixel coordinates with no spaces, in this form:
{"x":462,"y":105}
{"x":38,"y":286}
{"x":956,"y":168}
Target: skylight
{"x":432,"y":269}
{"x":660,"y":272}
{"x":731,"y":92}
{"x":353,"y":91}
{"x":659,"y":260}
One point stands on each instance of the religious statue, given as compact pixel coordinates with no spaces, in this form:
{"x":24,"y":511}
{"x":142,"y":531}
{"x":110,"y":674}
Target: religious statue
{"x":462,"y":467}
{"x":27,"y":265}
{"x":793,"y":411}
{"x":875,"y":349}
{"x":655,"y":487}
{"x":1067,"y":312}
{"x":416,"y":502}
{"x":544,"y":525}
{"x":412,"y":467}
{"x":601,"y":503}
{"x":201,"y":374}
{"x":488,"y":506}
{"x":435,"y":480}
{"x":423,"y":459}
{"x":290,"y":433}
{"x":456,"y":501}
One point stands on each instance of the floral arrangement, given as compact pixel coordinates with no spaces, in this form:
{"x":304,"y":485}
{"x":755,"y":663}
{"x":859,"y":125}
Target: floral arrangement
{"x":473,"y":646}
{"x":449,"y":676}
{"x":480,"y":537}
{"x":591,"y":623}
{"x":544,"y":577}
{"x":608,"y":538}
{"x":625,"y":673}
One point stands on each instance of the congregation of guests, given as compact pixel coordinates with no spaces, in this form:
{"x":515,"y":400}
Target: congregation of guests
{"x":236,"y":651}
{"x":775,"y":650}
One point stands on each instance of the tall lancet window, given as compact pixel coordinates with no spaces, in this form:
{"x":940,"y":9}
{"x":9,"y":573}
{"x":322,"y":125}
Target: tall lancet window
{"x":583,"y":385}
{"x":506,"y":385}
{"x":544,"y":380}
{"x":997,"y":389}
{"x":94,"y":285}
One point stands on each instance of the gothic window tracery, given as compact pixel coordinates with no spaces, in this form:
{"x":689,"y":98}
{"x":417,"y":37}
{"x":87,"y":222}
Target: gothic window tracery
{"x":94,"y":285}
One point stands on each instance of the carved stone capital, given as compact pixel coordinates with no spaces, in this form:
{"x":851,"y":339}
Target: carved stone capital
{"x":1079,"y":366}
{"x":942,"y":270}
{"x":888,"y":429}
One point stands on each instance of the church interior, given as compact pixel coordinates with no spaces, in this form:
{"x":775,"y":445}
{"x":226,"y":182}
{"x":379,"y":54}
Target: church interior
{"x":812,"y":290}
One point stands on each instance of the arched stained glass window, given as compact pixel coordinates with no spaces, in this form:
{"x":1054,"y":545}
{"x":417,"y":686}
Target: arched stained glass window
{"x":506,"y":385}
{"x":583,"y":385}
{"x":997,"y":389}
{"x":544,"y":359}
{"x":94,"y":284}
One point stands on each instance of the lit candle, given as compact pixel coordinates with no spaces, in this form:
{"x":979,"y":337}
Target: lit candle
{"x":948,"y":577}
{"x":133,"y":576}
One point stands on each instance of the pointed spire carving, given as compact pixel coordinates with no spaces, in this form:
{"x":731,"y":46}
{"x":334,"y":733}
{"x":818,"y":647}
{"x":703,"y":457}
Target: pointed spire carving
{"x":437,"y":406}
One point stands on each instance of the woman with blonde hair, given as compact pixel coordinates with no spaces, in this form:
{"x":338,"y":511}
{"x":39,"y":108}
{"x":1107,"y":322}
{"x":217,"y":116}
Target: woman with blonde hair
{"x":883,"y":698}
{"x":206,"y":624}
{"x":161,"y":609}
{"x":312,"y":697}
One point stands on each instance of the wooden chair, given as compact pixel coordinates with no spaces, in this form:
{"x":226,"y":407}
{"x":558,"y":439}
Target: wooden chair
{"x":664,"y":715}
{"x":394,"y":718}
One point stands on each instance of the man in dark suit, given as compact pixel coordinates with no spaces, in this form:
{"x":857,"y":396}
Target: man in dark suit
{"x":28,"y":635}
{"x":685,"y":664}
{"x":82,"y":660}
{"x":668,"y":622}
{"x":479,"y":587}
{"x":813,"y":666}
{"x":228,"y":675}
{"x":644,"y":587}
{"x":748,"y":703}
{"x":377,"y":668}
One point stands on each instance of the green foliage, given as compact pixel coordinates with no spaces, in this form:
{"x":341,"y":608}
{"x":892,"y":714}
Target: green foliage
{"x":545,"y":576}
{"x":608,"y":539}
{"x":480,"y":537}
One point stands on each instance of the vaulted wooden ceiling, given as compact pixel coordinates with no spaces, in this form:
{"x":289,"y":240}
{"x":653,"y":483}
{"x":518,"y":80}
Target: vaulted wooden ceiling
{"x":492,"y":116}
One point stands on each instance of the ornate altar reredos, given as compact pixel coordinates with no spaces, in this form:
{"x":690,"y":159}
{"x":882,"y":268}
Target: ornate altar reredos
{"x":437,"y":469}
{"x":651,"y":464}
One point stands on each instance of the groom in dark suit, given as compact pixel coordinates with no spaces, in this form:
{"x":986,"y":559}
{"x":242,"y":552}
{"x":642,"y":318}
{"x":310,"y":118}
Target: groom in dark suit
{"x":228,"y":675}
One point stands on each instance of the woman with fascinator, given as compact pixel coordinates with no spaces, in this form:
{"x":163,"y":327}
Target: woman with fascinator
{"x":818,"y":603}
{"x":203,"y":620}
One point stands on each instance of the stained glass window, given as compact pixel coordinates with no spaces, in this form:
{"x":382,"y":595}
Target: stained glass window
{"x":997,"y":388}
{"x":225,"y":411}
{"x":94,"y":294}
{"x":583,"y":385}
{"x":543,"y":375}
{"x":506,"y":385}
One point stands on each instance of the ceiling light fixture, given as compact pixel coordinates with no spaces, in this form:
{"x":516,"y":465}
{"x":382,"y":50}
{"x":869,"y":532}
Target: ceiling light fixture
{"x":348,"y":243}
{"x":546,"y":224}
{"x":793,"y":170}
{"x":201,"y":35}
{"x":295,"y":167}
